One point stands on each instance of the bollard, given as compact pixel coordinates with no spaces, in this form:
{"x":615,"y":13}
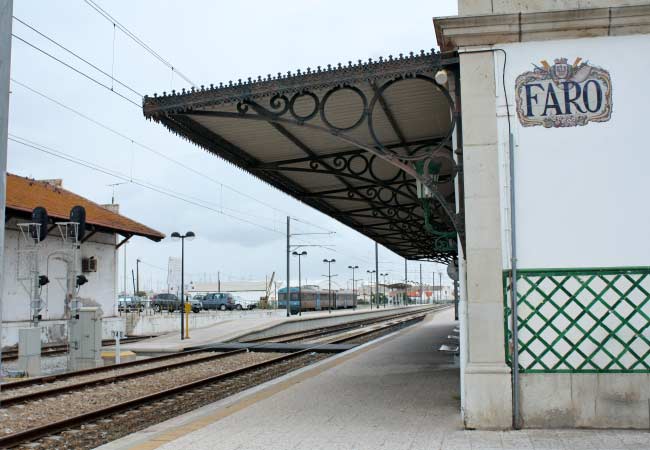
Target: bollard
{"x":118,"y":355}
{"x":188,"y":308}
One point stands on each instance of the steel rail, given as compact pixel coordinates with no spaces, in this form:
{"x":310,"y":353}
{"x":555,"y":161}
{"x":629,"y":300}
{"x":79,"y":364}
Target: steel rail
{"x":114,"y":378}
{"x":31,"y":434}
{"x":63,"y":376}
{"x":137,"y":373}
{"x":296,"y":335}
{"x":366,"y":323}
{"x":56,"y":349}
{"x":58,"y":377}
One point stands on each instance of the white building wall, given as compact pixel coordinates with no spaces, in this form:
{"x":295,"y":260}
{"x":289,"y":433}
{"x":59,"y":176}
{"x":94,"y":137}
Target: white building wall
{"x":581,"y":199}
{"x":100,"y":290}
{"x":581,"y":191}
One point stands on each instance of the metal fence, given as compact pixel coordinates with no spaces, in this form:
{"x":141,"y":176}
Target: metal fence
{"x":581,"y":320}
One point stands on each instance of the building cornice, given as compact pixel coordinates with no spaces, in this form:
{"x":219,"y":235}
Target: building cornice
{"x":453,"y":33}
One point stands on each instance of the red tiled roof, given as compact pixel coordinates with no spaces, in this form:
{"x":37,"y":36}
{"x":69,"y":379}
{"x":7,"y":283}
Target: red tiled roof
{"x":24,"y":194}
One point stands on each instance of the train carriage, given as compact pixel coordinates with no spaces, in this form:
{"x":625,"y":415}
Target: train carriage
{"x":315,"y":299}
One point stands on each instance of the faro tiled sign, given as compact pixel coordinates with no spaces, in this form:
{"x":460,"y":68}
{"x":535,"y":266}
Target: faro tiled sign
{"x":563,"y":94}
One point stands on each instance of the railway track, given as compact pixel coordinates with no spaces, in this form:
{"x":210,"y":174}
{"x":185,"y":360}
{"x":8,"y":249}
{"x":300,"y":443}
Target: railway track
{"x":303,"y":335}
{"x":60,"y":349}
{"x":283,"y":338}
{"x":153,"y":407}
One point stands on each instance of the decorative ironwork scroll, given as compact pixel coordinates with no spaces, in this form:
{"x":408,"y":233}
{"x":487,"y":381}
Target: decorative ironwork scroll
{"x":418,"y":189}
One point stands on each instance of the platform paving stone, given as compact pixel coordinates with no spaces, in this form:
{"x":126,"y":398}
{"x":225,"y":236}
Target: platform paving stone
{"x":400,"y":394}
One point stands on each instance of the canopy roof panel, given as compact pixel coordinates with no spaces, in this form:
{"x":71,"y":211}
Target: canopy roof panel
{"x":351,"y":141}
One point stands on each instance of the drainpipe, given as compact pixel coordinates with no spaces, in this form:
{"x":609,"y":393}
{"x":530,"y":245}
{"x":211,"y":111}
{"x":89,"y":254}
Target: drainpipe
{"x":513,"y":291}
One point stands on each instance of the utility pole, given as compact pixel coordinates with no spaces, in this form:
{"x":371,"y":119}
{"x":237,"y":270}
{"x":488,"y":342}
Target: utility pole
{"x":329,"y":282}
{"x":370,"y":272}
{"x":384,"y":275}
{"x":420,"y":284}
{"x":406,"y":288}
{"x":440,"y":278}
{"x":288,"y":299}
{"x":353,"y":288}
{"x":218,"y":281}
{"x":6,"y":13}
{"x":433,"y":287}
{"x":125,"y":244}
{"x":377,"y":273}
{"x":134,"y":291}
{"x":137,"y":276}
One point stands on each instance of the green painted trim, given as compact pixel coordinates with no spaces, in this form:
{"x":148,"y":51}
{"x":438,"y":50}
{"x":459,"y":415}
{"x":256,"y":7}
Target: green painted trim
{"x":557,"y":271}
{"x":621,"y":309}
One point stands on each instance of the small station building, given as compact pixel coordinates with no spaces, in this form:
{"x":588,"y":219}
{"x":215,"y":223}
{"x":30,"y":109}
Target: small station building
{"x":517,"y":154}
{"x":106,"y":231}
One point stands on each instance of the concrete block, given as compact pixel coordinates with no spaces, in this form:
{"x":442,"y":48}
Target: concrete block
{"x":483,"y":223}
{"x":29,"y":351}
{"x":488,"y":397}
{"x":474,"y":7}
{"x":623,"y":400}
{"x":485,"y":333}
{"x":482,"y":162}
{"x":478,"y":99}
{"x":484,"y":276}
{"x":553,"y":391}
{"x":108,"y":357}
{"x":584,"y":387}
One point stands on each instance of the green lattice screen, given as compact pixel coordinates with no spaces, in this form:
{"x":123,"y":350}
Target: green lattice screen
{"x":581,"y":320}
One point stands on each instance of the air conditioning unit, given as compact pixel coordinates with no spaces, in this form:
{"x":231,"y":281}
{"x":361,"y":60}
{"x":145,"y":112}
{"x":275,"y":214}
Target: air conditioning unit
{"x":89,"y":264}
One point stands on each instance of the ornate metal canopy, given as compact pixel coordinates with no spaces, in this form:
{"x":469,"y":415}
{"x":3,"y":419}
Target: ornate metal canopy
{"x":369,"y":144}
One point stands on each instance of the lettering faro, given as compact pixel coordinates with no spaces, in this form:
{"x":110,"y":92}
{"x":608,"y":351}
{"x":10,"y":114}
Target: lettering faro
{"x":563,"y":94}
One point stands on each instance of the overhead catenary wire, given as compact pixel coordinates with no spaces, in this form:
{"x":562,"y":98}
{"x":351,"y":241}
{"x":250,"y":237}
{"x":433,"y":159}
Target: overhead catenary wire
{"x":121,"y":176}
{"x":132,"y":180}
{"x":60,"y":61}
{"x":159,"y":153}
{"x":94,"y":66}
{"x":136,"y":39}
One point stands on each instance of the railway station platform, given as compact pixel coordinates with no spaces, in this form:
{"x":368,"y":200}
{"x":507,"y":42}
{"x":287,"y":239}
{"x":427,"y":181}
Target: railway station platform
{"x":227,"y":330}
{"x":396,"y":393}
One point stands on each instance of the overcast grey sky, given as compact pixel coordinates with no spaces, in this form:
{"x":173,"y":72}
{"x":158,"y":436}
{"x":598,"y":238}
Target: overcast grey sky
{"x":209,"y":42}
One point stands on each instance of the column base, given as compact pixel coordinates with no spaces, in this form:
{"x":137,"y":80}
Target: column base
{"x":488,"y":397}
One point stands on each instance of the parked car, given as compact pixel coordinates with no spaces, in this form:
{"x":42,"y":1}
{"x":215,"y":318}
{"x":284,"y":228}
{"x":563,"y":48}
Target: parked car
{"x":171,"y":303}
{"x":166,"y":302}
{"x":130,"y":303}
{"x":197,"y":305}
{"x":220,"y":300}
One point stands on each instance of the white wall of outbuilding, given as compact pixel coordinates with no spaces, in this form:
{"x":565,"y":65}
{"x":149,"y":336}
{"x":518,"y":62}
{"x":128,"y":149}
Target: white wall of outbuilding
{"x":99,"y":291}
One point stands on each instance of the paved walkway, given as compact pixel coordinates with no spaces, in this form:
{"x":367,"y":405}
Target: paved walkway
{"x":395,"y":394}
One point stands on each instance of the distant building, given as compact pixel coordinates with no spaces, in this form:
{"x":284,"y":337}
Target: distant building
{"x":97,"y":256}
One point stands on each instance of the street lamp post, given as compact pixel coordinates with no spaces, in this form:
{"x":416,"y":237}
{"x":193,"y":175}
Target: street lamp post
{"x":370,"y":272}
{"x":299,"y":254}
{"x":384,"y":275}
{"x":329,"y":281}
{"x":137,"y":276}
{"x":189,"y":236}
{"x":353,"y":290}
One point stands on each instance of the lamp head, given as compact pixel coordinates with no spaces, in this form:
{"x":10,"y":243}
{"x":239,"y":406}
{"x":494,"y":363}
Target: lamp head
{"x":190,"y":235}
{"x":175,"y":236}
